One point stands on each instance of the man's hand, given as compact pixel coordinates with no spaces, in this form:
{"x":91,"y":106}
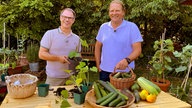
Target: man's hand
{"x":64,"y":59}
{"x":121,"y":65}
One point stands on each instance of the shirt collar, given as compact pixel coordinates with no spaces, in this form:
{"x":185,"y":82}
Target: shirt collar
{"x":123,"y":23}
{"x":60,"y":31}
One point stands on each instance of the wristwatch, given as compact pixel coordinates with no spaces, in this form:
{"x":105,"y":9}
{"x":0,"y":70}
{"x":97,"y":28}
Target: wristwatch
{"x":128,"y":60}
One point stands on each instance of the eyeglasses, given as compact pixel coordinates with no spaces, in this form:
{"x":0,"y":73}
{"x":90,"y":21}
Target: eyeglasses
{"x":66,"y":17}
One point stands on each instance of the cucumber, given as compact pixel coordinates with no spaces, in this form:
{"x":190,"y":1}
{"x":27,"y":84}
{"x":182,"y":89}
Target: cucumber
{"x":121,"y":103}
{"x":103,"y":92}
{"x":97,"y":91}
{"x":135,"y":86}
{"x":137,"y":97}
{"x":106,"y":86}
{"x":117,"y":75}
{"x":104,"y":98}
{"x":107,"y":101}
{"x":115,"y":102}
{"x":121,"y":94}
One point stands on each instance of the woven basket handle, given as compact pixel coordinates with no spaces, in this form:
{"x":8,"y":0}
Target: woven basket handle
{"x":128,"y":67}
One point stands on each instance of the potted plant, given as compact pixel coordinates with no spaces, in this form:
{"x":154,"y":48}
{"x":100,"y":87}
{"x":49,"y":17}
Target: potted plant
{"x":81,"y":80}
{"x":75,"y":56}
{"x":78,"y":94}
{"x":14,"y":65}
{"x":79,"y":75}
{"x":161,"y":61}
{"x":9,"y":57}
{"x":84,"y":70}
{"x":184,"y":59}
{"x":63,"y":99}
{"x":8,"y":60}
{"x":32,"y":57}
{"x":4,"y":65}
{"x":74,"y":59}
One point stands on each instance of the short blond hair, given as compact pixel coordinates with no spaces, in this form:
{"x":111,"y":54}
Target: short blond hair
{"x":69,"y":9}
{"x":119,"y":2}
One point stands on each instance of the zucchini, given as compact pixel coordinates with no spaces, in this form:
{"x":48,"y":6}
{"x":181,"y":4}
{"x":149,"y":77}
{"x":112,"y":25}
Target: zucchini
{"x":104,"y":98}
{"x":121,"y":94}
{"x":97,"y":91}
{"x":106,"y":86}
{"x":121,"y":103}
{"x":115,"y":102}
{"x":103,"y":92}
{"x":107,"y":101}
{"x":137,"y":97}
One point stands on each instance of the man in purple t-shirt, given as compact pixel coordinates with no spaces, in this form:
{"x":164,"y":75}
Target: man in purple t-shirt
{"x":56,"y":45}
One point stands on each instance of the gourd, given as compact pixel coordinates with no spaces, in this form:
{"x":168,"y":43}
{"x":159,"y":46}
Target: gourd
{"x":144,"y":84}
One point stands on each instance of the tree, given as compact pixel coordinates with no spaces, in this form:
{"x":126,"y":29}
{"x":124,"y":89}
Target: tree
{"x":33,"y":17}
{"x":26,"y":17}
{"x":152,"y":16}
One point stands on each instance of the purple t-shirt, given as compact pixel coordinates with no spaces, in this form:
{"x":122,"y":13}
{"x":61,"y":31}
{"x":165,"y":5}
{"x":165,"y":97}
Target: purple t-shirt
{"x":117,"y":44}
{"x":59,"y":44}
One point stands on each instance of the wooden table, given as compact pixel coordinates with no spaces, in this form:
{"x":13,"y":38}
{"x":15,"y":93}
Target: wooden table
{"x":164,"y":100}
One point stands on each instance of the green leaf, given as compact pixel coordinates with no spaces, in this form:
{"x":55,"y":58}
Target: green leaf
{"x":94,"y":69}
{"x":73,"y":54}
{"x":168,"y":67}
{"x":157,"y":66}
{"x":177,"y":54}
{"x":65,"y":94}
{"x":82,"y":75}
{"x":160,"y":72}
{"x":169,"y":42}
{"x":65,"y":104}
{"x":181,"y":68}
{"x":167,"y":58}
{"x":69,"y":82}
{"x":78,"y":81}
{"x":81,"y":65}
{"x":84,"y":43}
{"x":68,"y":71}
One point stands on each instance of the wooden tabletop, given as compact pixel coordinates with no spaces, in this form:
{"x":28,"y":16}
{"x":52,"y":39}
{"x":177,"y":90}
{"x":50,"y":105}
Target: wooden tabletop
{"x":164,"y":100}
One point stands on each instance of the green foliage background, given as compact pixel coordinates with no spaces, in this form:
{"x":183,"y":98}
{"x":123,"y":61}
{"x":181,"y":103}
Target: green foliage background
{"x":32,"y":18}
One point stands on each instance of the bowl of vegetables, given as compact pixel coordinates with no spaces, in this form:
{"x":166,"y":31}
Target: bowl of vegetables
{"x":113,"y":97}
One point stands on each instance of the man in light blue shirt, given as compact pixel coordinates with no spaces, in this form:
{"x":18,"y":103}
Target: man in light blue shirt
{"x":118,"y":42}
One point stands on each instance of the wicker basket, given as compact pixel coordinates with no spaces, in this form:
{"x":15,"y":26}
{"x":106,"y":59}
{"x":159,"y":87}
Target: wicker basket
{"x":91,"y":99}
{"x":124,"y":82}
{"x":25,"y":86}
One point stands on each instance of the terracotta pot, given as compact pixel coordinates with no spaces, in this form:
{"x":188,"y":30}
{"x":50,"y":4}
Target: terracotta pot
{"x":16,"y":70}
{"x":23,"y":60}
{"x":164,"y":86}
